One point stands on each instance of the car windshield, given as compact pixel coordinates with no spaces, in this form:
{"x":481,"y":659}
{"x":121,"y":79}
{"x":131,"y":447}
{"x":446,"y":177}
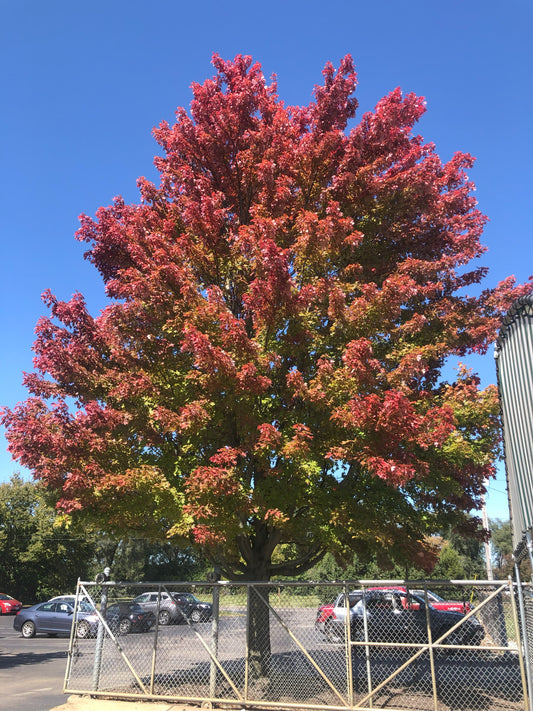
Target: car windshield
{"x":3,"y":596}
{"x":433,"y":597}
{"x":188,"y":596}
{"x":85,"y":606}
{"x":353,"y":598}
{"x":419,"y":599}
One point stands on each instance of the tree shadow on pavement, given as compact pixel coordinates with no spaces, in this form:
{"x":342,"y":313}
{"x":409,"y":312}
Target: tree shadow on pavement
{"x":9,"y":661}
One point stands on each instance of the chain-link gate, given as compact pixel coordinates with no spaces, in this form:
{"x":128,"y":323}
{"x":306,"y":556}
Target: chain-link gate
{"x":440,"y":646}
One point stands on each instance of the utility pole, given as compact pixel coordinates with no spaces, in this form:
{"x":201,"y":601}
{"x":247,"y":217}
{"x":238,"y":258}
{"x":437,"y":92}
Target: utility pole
{"x":488,"y":553}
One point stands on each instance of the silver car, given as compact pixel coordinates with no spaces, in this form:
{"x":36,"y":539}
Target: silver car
{"x":169,"y":610}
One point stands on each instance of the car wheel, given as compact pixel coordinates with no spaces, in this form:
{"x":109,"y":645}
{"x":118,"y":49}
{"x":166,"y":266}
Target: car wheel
{"x":28,"y":629}
{"x":164,"y":617}
{"x":332,"y":634}
{"x":196,"y":615}
{"x":477,"y":639}
{"x":451,"y":639}
{"x":124,"y":626}
{"x":148,"y":623}
{"x":82,"y":630}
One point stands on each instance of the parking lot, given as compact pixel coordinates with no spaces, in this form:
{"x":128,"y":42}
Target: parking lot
{"x":31,"y":670}
{"x":176,"y":662}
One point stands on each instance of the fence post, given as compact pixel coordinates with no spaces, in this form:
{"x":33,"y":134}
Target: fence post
{"x":247,"y":649}
{"x":73,"y":633}
{"x":348,"y":645}
{"x":100,"y":634}
{"x":156,"y":637}
{"x":214,"y":641}
{"x":431,"y":651}
{"x":367,"y":651}
{"x":522,"y":640}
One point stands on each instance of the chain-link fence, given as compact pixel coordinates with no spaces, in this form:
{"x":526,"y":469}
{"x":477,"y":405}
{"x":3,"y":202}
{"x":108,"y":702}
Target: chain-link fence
{"x":446,"y":646}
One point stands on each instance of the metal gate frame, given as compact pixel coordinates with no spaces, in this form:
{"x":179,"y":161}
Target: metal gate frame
{"x":243,"y":697}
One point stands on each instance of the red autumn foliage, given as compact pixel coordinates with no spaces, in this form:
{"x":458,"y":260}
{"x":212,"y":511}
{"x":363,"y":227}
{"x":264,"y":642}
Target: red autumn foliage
{"x":269,"y":367}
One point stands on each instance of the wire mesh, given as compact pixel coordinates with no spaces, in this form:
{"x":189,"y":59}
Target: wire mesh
{"x":375,"y":644}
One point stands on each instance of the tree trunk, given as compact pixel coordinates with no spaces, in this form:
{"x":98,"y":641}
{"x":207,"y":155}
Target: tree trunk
{"x":257,"y":551}
{"x":259,"y":648}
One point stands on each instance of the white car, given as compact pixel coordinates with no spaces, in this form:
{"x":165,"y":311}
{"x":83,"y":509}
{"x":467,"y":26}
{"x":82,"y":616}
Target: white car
{"x":71,"y":599}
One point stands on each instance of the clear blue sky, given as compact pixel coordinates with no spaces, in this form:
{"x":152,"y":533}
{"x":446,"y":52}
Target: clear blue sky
{"x":84,"y":83}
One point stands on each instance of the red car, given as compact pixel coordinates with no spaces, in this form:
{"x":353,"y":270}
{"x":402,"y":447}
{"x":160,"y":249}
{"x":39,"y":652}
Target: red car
{"x":440,"y":603}
{"x":8,"y":605}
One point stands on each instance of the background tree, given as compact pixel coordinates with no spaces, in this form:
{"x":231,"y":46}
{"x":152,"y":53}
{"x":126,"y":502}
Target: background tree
{"x":460,"y":558}
{"x":502,"y":552}
{"x":39,"y":558}
{"x":457,"y":558}
{"x":502,"y":547}
{"x":165,"y":561}
{"x":267,"y":375}
{"x":454,"y":566}
{"x":140,"y":559}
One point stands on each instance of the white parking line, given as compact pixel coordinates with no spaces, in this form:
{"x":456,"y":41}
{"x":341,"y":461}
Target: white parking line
{"x":35,"y":691}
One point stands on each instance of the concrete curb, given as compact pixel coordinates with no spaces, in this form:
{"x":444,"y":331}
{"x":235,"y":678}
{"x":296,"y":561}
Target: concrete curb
{"x":88,"y":703}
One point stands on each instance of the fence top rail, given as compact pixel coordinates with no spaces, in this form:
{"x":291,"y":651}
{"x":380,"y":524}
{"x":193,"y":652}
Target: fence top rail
{"x":304,"y":583}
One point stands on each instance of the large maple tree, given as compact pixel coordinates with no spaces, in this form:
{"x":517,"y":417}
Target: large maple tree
{"x":267,"y":377}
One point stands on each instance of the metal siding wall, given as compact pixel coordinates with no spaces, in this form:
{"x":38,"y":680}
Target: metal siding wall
{"x":515,"y":382}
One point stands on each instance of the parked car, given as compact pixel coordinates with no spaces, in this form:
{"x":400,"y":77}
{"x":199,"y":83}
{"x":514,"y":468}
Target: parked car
{"x":326,"y":610}
{"x":335,"y":610}
{"x":55,"y":617}
{"x":8,"y":605}
{"x":126,"y":617}
{"x":169,"y":610}
{"x":70,"y":599}
{"x":193,"y":609}
{"x":396,"y":616}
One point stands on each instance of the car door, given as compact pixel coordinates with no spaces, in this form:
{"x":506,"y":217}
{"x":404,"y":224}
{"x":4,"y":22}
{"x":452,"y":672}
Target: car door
{"x":46,"y":618}
{"x":144,"y":601}
{"x":63,"y":617}
{"x":413,"y":616}
{"x":383,"y":622}
{"x":154,"y":598}
{"x":112,"y":616}
{"x":184,"y":604}
{"x":151,"y":603}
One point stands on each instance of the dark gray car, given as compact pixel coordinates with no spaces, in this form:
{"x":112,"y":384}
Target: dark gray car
{"x":395,"y":616}
{"x":55,"y":617}
{"x":193,"y":609}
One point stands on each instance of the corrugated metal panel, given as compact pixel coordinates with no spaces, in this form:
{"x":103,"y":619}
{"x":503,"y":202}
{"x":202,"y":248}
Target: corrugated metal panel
{"x":514,"y":358}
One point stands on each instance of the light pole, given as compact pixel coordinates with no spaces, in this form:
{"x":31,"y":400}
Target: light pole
{"x":488,"y":552}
